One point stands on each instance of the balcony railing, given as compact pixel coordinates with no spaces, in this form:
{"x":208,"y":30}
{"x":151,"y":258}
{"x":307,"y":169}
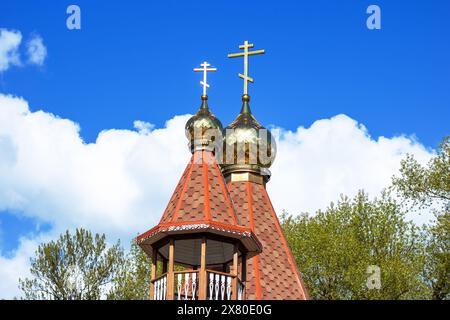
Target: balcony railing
{"x":160,"y":287}
{"x":219,"y":286}
{"x":186,"y":285}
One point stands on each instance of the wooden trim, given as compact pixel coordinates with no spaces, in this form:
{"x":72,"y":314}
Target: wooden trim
{"x":186,"y":271}
{"x":160,"y":277}
{"x":234,"y":281}
{"x":170,"y":275}
{"x":153,"y":273}
{"x":221,"y":273}
{"x":206,"y":188}
{"x":244,"y":275}
{"x":257,"y":282}
{"x":202,"y":273}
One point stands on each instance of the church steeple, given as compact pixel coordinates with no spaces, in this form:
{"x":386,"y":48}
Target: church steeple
{"x":249,"y":151}
{"x":199,"y":231}
{"x":248,"y":148}
{"x":219,"y":226}
{"x":203,"y":130}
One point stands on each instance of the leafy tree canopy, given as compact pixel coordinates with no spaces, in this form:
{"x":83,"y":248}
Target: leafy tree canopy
{"x":76,"y":266}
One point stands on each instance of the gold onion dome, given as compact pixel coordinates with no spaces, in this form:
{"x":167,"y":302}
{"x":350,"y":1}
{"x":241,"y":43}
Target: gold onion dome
{"x":203,"y":129}
{"x":247,"y":145}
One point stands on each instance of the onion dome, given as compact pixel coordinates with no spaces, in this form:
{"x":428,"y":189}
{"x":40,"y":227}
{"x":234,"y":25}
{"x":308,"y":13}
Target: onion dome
{"x":203,"y":129}
{"x":247,"y":145}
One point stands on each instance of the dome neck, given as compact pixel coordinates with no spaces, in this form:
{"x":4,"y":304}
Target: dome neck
{"x":204,"y":106}
{"x":246,"y":104}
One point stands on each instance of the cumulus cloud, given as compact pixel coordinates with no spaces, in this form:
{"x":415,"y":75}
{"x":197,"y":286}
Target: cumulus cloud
{"x":9,"y":44}
{"x":336,"y":156}
{"x":115,"y":184}
{"x":11,"y":269}
{"x":36,"y":50}
{"x":121,"y":184}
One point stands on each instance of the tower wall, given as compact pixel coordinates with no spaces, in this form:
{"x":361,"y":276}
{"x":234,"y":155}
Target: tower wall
{"x":272,"y":274}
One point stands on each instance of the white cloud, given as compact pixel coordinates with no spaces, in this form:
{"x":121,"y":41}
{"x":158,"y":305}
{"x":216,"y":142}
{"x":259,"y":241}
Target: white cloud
{"x":11,"y":269}
{"x":9,"y":44}
{"x":115,"y":184}
{"x":36,"y":50}
{"x":120,"y":184}
{"x":335,"y":156}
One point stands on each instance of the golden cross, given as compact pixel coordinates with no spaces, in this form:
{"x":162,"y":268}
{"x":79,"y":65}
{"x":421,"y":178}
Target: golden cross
{"x":204,"y":68}
{"x":245,"y":54}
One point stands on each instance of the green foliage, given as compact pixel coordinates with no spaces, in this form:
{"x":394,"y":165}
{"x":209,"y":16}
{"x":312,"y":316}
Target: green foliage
{"x":424,"y":186}
{"x":430,"y":187}
{"x":132,"y":282}
{"x":437,"y":268}
{"x":335,"y":248}
{"x":76,"y":266}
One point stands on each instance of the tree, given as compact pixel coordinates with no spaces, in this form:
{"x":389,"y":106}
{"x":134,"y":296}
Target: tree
{"x":429,"y":187}
{"x":437,"y":268}
{"x":336,"y":249}
{"x":76,"y":266}
{"x":132,"y":282}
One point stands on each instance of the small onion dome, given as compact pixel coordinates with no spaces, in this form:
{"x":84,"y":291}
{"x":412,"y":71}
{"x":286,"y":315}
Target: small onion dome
{"x":247,"y":145}
{"x":203,"y":129}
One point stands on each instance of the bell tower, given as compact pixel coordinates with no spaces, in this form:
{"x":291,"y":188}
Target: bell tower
{"x":219,"y":237}
{"x":200,"y":249}
{"x":248,"y":152}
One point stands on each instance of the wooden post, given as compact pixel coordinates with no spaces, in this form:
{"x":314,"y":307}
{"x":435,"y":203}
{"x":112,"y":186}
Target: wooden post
{"x":244,"y":275}
{"x":170,"y":274}
{"x":234,"y":284}
{"x":153,"y":273}
{"x":202,"y":273}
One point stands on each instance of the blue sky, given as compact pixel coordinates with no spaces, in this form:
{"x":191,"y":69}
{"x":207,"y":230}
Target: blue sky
{"x":133,"y":60}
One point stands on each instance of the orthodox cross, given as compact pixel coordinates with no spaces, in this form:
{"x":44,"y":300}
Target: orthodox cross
{"x":204,"y":68}
{"x":245,"y":54}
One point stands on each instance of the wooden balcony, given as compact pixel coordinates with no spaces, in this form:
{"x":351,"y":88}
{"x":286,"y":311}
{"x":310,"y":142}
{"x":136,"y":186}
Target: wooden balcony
{"x":219,"y":286}
{"x":200,"y":282}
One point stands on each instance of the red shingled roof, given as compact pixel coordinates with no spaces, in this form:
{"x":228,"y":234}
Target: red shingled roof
{"x":273,"y":273}
{"x":201,"y":202}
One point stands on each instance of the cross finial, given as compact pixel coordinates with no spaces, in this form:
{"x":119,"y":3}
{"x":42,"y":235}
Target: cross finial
{"x":204,"y":68}
{"x":245,"y":54}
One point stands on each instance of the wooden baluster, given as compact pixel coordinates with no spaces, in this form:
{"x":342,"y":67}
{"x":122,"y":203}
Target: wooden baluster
{"x":186,"y":286}
{"x":165,"y":287}
{"x":179,"y":278}
{"x":160,"y":289}
{"x":222,"y":287}
{"x":228,"y":288}
{"x":157,"y":290}
{"x":216,"y":287}
{"x":211,"y":285}
{"x":194,"y":284}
